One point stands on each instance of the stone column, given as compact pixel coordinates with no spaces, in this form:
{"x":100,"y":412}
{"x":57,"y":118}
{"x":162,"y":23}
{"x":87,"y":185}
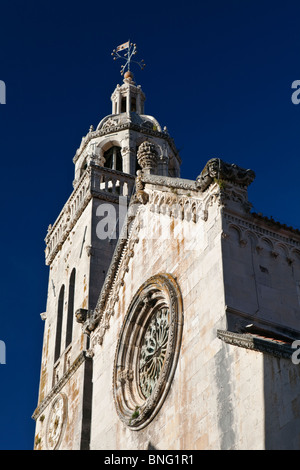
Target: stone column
{"x":138,"y":103}
{"x":119,"y":98}
{"x":129,"y":157}
{"x":128,"y":104}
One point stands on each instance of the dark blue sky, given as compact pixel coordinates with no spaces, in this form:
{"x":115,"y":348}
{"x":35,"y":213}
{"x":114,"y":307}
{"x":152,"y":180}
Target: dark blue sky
{"x":218,"y":75}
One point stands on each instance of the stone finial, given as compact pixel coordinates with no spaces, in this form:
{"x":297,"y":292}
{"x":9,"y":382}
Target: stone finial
{"x":147,"y":156}
{"x":128,"y":77}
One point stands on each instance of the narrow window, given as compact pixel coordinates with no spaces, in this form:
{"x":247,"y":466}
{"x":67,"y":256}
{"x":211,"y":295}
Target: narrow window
{"x":133,"y":105}
{"x":113,"y":158}
{"x":70,"y":308}
{"x":60,"y":308}
{"x":83,"y":167}
{"x":123,"y":105}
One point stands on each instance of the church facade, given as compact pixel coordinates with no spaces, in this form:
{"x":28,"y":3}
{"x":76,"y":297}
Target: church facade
{"x":173,"y":311}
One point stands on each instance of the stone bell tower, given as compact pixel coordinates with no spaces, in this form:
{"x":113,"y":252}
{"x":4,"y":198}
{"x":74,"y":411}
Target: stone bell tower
{"x":79,"y":249}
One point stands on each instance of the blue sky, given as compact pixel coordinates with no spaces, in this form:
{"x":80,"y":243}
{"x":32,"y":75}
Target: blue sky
{"x":218,"y":75}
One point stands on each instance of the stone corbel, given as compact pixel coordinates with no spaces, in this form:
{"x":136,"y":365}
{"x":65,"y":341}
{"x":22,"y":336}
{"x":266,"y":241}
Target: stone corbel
{"x":258,"y":248}
{"x":90,"y":251}
{"x":243,"y":242}
{"x":82,"y":315}
{"x":125,"y":375}
{"x":141,"y":195}
{"x":203,"y":214}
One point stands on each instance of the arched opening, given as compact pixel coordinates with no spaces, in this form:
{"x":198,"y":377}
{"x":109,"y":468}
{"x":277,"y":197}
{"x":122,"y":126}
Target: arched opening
{"x":123,"y":105}
{"x":83,"y":166}
{"x":60,"y":308}
{"x":113,"y":158}
{"x":133,"y":104}
{"x":70,"y":308}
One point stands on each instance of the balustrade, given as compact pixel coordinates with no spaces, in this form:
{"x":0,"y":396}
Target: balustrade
{"x":101,"y":180}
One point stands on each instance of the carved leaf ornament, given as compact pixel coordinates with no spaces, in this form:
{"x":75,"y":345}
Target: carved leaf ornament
{"x":56,"y":422}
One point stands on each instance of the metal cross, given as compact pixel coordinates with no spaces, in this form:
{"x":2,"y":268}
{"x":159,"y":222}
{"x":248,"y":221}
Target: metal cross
{"x":131,"y":51}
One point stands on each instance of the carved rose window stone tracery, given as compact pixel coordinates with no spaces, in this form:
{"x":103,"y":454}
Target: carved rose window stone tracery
{"x":147,"y":351}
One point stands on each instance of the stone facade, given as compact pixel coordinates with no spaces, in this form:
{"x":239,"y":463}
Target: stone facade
{"x":184,"y":322}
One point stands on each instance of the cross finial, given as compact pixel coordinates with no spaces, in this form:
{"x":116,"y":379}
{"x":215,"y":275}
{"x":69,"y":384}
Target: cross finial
{"x":131,"y":51}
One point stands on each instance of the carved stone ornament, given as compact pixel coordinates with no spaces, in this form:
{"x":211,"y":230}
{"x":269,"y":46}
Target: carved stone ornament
{"x":140,"y":195}
{"x":147,"y":156}
{"x":147,"y":351}
{"x":217,"y":169}
{"x":109,"y":124}
{"x":56,"y":422}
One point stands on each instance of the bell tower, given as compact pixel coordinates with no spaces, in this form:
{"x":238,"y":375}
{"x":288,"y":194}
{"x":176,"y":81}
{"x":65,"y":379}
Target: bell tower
{"x":80,"y":246}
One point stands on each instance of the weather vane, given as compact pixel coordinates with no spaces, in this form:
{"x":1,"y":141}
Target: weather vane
{"x":131,"y":51}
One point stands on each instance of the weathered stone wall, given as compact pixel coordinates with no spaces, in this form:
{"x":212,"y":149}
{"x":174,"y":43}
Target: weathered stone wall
{"x":73,"y":254}
{"x":262,"y":271}
{"x":73,"y":419}
{"x":189,"y":413}
{"x":233,"y":269}
{"x":222,"y":396}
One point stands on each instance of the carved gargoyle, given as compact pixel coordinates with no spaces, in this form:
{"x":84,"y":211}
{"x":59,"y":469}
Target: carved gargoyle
{"x":82,"y":315}
{"x":217,"y":169}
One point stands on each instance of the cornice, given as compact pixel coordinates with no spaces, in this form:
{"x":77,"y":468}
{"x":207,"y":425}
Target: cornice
{"x":255,"y":343}
{"x":125,"y":126}
{"x":261,"y":227}
{"x":274,"y":223}
{"x":177,"y":183}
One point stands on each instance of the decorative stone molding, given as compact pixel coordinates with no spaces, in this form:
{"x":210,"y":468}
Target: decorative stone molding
{"x":262,"y":238}
{"x":140,"y":195}
{"x":269,"y":221}
{"x":176,"y":183}
{"x":216,"y":169}
{"x":143,"y":372}
{"x":60,"y":384}
{"x":110,"y":124}
{"x":182,"y":207}
{"x":127,"y":149}
{"x":256,"y":343}
{"x":56,"y":422}
{"x":125,"y":126}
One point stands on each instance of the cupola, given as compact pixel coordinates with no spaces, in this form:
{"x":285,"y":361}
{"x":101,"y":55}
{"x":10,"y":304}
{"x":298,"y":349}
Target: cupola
{"x":128,"y":98}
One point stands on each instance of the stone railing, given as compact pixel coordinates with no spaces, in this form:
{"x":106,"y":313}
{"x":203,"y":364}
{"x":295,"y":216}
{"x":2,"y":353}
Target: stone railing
{"x":111,"y":182}
{"x":96,"y":181}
